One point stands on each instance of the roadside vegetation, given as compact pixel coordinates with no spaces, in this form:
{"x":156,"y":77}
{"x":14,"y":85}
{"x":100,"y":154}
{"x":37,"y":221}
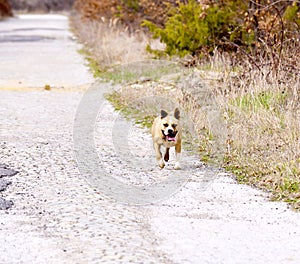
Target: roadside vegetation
{"x":238,"y":75}
{"x":5,"y":9}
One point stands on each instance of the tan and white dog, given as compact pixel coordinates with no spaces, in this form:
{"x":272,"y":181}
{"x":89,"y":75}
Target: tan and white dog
{"x":166,"y":132}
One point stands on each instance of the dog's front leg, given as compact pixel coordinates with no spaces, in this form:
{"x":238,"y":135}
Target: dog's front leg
{"x":159,"y":158}
{"x":178,"y":155}
{"x":167,"y":156}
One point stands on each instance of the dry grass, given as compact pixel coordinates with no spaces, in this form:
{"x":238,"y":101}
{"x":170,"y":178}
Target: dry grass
{"x":109,"y":42}
{"x":252,"y":121}
{"x":262,"y":116}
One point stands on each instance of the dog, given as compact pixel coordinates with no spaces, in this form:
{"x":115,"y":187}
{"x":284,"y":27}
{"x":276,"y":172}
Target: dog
{"x":166,"y":132}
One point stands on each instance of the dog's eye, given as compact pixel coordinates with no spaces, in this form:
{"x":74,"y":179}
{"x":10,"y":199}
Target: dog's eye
{"x":174,"y":125}
{"x":166,"y":125}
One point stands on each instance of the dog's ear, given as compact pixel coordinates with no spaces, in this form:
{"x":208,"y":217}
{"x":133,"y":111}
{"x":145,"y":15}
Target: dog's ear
{"x":163,"y":113}
{"x":177,"y":113}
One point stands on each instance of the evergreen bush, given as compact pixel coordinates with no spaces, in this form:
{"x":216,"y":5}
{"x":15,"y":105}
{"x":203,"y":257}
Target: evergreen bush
{"x":192,"y":27}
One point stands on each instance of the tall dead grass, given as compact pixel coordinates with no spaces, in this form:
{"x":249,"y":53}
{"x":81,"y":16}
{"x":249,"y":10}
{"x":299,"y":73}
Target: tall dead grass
{"x":109,"y":42}
{"x":262,"y":115}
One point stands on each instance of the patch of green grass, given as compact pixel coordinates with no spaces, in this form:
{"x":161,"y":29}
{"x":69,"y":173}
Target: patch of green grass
{"x":118,"y":75}
{"x":267,"y":100}
{"x":145,"y":121}
{"x":286,"y":191}
{"x":115,"y":99}
{"x":125,"y":73}
{"x":92,"y":63}
{"x":231,"y":166}
{"x":129,"y":112}
{"x":289,"y":185}
{"x":290,"y":182}
{"x":282,"y":180}
{"x":135,"y":71}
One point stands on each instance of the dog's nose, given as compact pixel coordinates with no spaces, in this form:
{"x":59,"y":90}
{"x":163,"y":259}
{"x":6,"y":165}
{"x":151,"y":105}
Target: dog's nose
{"x":170,"y":131}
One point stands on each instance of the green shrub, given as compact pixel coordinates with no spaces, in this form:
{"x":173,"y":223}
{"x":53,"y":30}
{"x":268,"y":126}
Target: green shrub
{"x":192,"y":27}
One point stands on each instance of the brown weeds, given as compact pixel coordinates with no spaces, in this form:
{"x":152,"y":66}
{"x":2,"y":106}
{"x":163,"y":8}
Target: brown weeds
{"x":5,"y":8}
{"x":262,"y":113}
{"x":109,"y":42}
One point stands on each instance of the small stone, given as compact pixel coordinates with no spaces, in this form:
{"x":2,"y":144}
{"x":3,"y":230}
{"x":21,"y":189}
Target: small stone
{"x":47,"y":87}
{"x":5,"y":171}
{"x":4,"y":204}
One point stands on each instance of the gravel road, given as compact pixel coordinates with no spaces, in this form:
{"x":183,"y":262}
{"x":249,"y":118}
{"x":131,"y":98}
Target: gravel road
{"x":61,"y":216}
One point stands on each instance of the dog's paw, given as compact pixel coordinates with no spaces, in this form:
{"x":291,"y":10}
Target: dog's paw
{"x":177,"y":166}
{"x":161,"y":164}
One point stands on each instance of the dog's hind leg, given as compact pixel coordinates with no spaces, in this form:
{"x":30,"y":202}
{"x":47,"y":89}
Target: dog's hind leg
{"x":167,"y":156}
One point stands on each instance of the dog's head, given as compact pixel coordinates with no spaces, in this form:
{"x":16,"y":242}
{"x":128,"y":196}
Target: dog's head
{"x":170,"y":125}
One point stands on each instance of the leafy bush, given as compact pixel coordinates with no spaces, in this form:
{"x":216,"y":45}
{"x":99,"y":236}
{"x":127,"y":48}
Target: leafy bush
{"x":258,"y":28}
{"x":192,"y":27}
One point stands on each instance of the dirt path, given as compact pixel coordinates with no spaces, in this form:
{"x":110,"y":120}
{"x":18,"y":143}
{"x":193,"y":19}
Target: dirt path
{"x":63,"y":213}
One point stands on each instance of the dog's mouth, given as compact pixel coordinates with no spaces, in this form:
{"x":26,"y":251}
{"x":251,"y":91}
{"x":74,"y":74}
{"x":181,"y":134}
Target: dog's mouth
{"x":170,"y":137}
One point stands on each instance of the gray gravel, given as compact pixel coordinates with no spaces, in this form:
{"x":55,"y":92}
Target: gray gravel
{"x":4,"y":183}
{"x":4,"y":204}
{"x":5,"y":171}
{"x":59,"y":217}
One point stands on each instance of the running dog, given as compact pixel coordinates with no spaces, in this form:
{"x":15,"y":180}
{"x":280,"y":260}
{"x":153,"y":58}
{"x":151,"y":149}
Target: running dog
{"x":166,"y":131}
